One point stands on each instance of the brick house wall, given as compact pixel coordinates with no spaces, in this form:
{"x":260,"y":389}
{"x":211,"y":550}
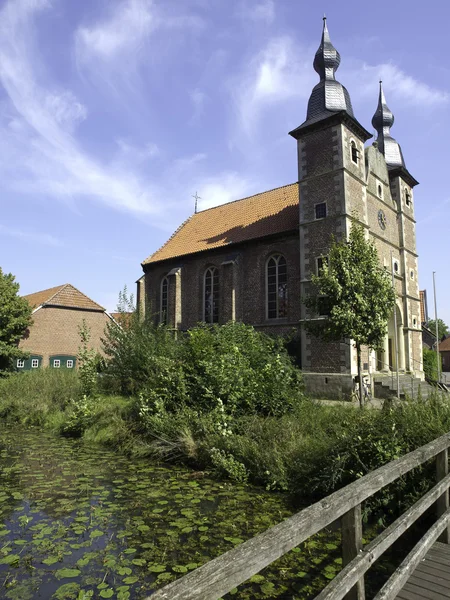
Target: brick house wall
{"x":55,"y":332}
{"x":242,"y":284}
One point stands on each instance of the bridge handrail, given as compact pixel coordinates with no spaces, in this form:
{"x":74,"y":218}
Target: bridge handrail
{"x":222,"y":574}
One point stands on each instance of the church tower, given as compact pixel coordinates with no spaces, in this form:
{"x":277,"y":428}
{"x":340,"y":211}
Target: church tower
{"x":340,"y":182}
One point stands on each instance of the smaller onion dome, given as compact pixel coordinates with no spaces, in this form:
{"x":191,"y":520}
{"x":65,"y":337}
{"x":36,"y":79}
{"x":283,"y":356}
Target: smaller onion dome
{"x":382,"y":121}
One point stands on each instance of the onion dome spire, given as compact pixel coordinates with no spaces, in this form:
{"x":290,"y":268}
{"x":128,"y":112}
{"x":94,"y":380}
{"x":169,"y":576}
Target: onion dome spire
{"x":383,"y":120}
{"x":329,"y":95}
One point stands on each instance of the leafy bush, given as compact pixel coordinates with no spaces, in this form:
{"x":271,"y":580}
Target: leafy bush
{"x":430,"y":364}
{"x":248,"y":371}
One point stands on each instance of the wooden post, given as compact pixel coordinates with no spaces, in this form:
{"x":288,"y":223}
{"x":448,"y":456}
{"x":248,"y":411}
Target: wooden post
{"x":351,"y":525}
{"x":442,"y":503}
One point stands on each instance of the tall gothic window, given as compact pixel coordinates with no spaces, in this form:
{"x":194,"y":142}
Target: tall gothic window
{"x":164,"y":301}
{"x":211,"y":295}
{"x":276,"y":287}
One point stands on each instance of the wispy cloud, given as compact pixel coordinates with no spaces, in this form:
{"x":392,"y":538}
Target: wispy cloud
{"x":224,"y":188}
{"x":41,"y":121}
{"x":362,"y":80}
{"x":274,"y":75}
{"x":257,"y":10}
{"x":128,"y":24}
{"x":30,"y":236}
{"x":198,"y":99}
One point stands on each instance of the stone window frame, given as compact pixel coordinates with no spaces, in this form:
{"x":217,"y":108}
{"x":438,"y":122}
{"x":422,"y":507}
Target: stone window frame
{"x":322,"y":258}
{"x":396,"y":266}
{"x":214,"y":273}
{"x":408,"y":197}
{"x":315,"y":211}
{"x":280,"y":313}
{"x":20,"y":363}
{"x":163,"y":299}
{"x":354,"y":152}
{"x":34,"y":363}
{"x":380,"y":191}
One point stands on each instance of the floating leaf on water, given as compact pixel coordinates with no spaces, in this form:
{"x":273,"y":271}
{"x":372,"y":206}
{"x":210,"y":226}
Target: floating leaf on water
{"x":107,"y":593}
{"x":68,"y":591}
{"x":124,"y":571}
{"x":20,"y":542}
{"x":131,"y":580}
{"x":96,"y":533}
{"x":186,"y":530}
{"x":267,"y":588}
{"x":66,"y":573}
{"x":147,"y":545}
{"x":144,"y":528}
{"x":331,"y":546}
{"x":234,"y":540}
{"x":10,"y":559}
{"x":4,"y":532}
{"x":130,"y":551}
{"x":179,"y":569}
{"x":257,"y":578}
{"x":329,"y":575}
{"x":301,"y":574}
{"x":164,"y":577}
{"x":203,"y":528}
{"x":191,"y":566}
{"x":140,"y":562}
{"x":156,"y":568}
{"x":51,"y":560}
{"x":102,"y":586}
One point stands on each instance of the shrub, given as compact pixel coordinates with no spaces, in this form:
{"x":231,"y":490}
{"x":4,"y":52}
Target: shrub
{"x":248,"y":371}
{"x":430,"y":364}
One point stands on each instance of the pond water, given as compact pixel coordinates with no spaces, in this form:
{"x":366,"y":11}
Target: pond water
{"x":82,"y":522}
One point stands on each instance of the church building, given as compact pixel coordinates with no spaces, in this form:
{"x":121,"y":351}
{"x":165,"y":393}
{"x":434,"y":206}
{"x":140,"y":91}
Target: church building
{"x":251,"y":260}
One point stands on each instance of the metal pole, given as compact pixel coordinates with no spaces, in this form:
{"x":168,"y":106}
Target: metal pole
{"x":395,"y":330}
{"x":437,"y":329}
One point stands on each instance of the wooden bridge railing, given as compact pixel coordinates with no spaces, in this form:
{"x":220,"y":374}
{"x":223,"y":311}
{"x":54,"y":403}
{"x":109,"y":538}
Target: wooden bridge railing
{"x":222,"y":574}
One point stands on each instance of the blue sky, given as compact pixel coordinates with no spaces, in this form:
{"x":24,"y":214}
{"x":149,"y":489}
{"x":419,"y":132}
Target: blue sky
{"x":113,"y":113}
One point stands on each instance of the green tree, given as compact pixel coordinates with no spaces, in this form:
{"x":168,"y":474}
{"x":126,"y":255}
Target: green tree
{"x":87,"y":361}
{"x":443,"y":329}
{"x":15,"y":318}
{"x":357,"y":294}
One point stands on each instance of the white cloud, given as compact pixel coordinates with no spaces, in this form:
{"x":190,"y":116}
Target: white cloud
{"x":362,"y":81}
{"x":198,"y":99}
{"x":259,"y":10}
{"x":221,"y":189}
{"x":41,"y":124}
{"x":127,"y":26}
{"x":276,"y":74}
{"x":30,"y":236}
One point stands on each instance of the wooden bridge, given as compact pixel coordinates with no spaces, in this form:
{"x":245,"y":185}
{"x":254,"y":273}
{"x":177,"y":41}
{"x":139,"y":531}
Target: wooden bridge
{"x":424,"y":574}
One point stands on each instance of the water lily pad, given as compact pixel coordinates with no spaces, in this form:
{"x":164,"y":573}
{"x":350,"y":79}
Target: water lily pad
{"x":156,"y":568}
{"x":67,"y":573}
{"x":257,"y":578}
{"x":96,"y":533}
{"x":124,"y":571}
{"x":179,"y":569}
{"x":107,"y":593}
{"x":10,"y":559}
{"x":130,"y":551}
{"x":51,"y":560}
{"x":131,"y":580}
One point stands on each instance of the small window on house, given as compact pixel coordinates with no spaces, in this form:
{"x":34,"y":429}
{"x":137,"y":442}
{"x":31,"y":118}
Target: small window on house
{"x":34,"y":363}
{"x":276,"y":287}
{"x":70,"y":364}
{"x":380,"y":191}
{"x":412,"y":274}
{"x":324,"y":306}
{"x":164,"y":300}
{"x":355,"y":152}
{"x":20,"y":363}
{"x":321,"y":261}
{"x":321,"y":210}
{"x":407,"y":198}
{"x":414,"y":322}
{"x":211,"y":295}
{"x":56,"y":363}
{"x":396,"y":266}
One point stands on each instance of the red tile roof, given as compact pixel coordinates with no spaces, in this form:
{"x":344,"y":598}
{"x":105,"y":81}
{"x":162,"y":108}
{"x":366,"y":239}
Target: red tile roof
{"x":271,"y":212}
{"x":445,"y":345}
{"x":62,"y":295}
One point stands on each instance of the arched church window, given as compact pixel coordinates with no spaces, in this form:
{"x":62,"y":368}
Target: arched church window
{"x":355,"y":152}
{"x":276,"y":286}
{"x":407,"y":198}
{"x":211,"y":295}
{"x":164,"y":300}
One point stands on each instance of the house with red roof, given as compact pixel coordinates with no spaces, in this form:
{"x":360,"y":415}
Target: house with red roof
{"x":53,"y":339}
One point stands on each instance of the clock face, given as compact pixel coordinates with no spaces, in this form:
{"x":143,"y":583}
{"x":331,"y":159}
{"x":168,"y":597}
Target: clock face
{"x":382,"y":219}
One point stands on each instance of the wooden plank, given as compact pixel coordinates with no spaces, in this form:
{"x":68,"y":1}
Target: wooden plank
{"x":220,"y":575}
{"x":401,"y":575}
{"x":432,"y":592}
{"x":443,"y":502}
{"x":351,"y":524}
{"x":350,"y":574}
{"x":438,"y":571}
{"x":408,"y":595}
{"x":430,"y":582}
